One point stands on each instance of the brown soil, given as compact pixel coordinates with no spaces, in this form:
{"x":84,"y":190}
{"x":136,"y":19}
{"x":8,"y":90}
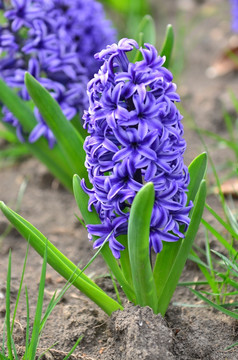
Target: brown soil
{"x":185,"y":333}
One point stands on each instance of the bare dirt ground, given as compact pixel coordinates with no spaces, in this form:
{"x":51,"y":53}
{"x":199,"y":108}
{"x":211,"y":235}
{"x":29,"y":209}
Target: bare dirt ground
{"x":185,"y":333}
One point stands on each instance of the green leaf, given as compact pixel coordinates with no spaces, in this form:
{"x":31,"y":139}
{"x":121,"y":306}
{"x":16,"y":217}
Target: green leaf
{"x":205,"y":270}
{"x":91,"y":217}
{"x":222,"y":222}
{"x":214,"y":305}
{"x":167,"y":46}
{"x":147,"y":28}
{"x":8,"y":294}
{"x":197,"y":170}
{"x":19,"y":290}
{"x":219,"y":237}
{"x":69,"y":140}
{"x":27,"y":322}
{"x":17,"y":106}
{"x":138,"y":246}
{"x":125,"y":260}
{"x":229,"y":143}
{"x":60,"y":262}
{"x":166,"y":258}
{"x":231,"y":265}
{"x":36,"y":326}
{"x":166,"y":271}
{"x":73,"y":348}
{"x":140,"y":6}
{"x":54,"y":159}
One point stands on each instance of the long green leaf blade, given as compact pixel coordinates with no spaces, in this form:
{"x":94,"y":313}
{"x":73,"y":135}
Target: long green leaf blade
{"x":138,"y":246}
{"x":36,"y":326}
{"x":197,"y":170}
{"x":167,"y":46}
{"x":60,"y":262}
{"x":222,"y":222}
{"x":91,"y":217}
{"x":214,"y":305}
{"x":27,"y":323}
{"x":53,"y":159}
{"x":73,"y":348}
{"x":17,"y":106}
{"x":167,"y":286}
{"x":69,"y":140}
{"x":8,"y":294}
{"x":19,"y":290}
{"x":166,"y":258}
{"x":219,"y":237}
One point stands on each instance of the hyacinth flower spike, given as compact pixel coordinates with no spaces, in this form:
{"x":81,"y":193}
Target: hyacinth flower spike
{"x":141,"y":204}
{"x":55,"y":41}
{"x":125,"y":150}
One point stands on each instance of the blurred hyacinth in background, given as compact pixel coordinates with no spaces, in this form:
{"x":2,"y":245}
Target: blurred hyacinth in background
{"x":136,"y":136}
{"x":234,"y":15}
{"x":55,"y":41}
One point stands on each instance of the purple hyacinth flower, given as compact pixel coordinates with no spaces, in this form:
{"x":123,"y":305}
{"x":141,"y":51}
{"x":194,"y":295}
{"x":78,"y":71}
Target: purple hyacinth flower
{"x":234,"y":15}
{"x":55,"y":40}
{"x":22,"y":13}
{"x":135,"y":136}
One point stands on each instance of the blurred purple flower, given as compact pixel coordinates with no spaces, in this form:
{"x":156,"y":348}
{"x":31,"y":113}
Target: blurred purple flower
{"x":136,"y":136}
{"x":55,"y":40}
{"x":234,"y":15}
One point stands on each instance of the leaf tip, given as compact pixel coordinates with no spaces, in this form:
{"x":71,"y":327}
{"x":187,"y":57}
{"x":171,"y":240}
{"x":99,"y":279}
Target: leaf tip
{"x":2,"y":204}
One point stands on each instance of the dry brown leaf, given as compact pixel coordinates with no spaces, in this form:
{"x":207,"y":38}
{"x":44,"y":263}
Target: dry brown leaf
{"x":226,"y":63}
{"x":229,"y":187}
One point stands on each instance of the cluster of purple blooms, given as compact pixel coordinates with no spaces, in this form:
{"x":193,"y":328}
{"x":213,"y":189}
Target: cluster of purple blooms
{"x":234,"y":15}
{"x":54,"y":40}
{"x":136,"y":136}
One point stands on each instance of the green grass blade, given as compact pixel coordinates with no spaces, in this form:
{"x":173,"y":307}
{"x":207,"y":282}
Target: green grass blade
{"x":35,"y":337}
{"x":3,"y":338}
{"x":8,"y":295}
{"x":222,"y":222}
{"x":27,"y":323}
{"x":231,"y":218}
{"x":228,"y":263}
{"x":38,"y":241}
{"x":196,"y":259}
{"x":207,"y":274}
{"x":217,"y":307}
{"x":194,"y":283}
{"x":167,"y":46}
{"x":15,"y":152}
{"x":234,"y":100}
{"x":69,"y":140}
{"x":138,"y":246}
{"x":73,"y":348}
{"x":228,"y":281}
{"x":60,"y":262}
{"x":167,"y":285}
{"x":229,"y":126}
{"x":231,"y":346}
{"x":14,"y":350}
{"x":92,"y":218}
{"x":47,"y":350}
{"x":19,"y":290}
{"x":220,"y":139}
{"x":219,"y":237}
{"x":54,"y":300}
